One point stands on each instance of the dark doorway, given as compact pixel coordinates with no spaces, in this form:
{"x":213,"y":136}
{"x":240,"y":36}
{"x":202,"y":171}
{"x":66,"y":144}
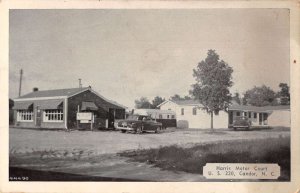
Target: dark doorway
{"x":111,"y":117}
{"x":260,"y":117}
{"x":230,"y":117}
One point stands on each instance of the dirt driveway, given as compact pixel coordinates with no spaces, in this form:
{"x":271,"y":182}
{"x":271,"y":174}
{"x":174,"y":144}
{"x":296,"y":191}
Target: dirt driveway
{"x":108,"y":142}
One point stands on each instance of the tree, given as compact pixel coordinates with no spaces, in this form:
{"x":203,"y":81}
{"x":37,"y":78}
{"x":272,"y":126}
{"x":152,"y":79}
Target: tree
{"x":143,"y":103}
{"x":237,"y":98}
{"x":177,"y":97}
{"x":284,"y":94}
{"x":260,"y":96}
{"x":156,"y":101}
{"x":244,"y":101}
{"x":187,"y":98}
{"x":213,"y":80}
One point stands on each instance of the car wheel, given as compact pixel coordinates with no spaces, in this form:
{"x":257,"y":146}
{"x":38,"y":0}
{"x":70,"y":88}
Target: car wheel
{"x":139,"y":130}
{"x":123,"y":131}
{"x":157,"y":130}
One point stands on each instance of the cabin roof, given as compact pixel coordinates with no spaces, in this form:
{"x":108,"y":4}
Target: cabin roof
{"x":54,"y":93}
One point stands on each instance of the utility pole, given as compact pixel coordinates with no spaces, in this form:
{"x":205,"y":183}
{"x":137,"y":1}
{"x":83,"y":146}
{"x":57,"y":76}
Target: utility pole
{"x":20,"y":85}
{"x":80,"y":85}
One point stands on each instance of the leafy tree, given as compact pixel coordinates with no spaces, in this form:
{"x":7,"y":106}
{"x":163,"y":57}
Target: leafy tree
{"x":143,"y":103}
{"x":284,"y":94}
{"x":237,"y":98}
{"x":213,"y":80}
{"x":177,"y":97}
{"x":260,"y":96}
{"x":156,"y":101}
{"x":187,"y":98}
{"x":244,"y":101}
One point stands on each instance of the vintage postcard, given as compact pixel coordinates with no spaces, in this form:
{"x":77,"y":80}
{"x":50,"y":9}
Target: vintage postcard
{"x":146,"y":94}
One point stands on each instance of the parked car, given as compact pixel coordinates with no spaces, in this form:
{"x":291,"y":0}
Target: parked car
{"x":138,"y":124}
{"x":241,"y":122}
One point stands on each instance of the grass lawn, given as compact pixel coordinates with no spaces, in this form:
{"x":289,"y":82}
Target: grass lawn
{"x":192,"y":159}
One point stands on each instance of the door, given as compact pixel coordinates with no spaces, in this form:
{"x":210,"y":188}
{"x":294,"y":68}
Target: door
{"x":265,"y":119}
{"x":230,"y":118}
{"x":38,"y":117}
{"x":111,"y":118}
{"x":260,"y":118}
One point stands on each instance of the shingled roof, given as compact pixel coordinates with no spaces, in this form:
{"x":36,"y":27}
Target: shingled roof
{"x":54,"y":93}
{"x":186,"y":102}
{"x":233,"y":106}
{"x":258,"y":109}
{"x":68,"y":92}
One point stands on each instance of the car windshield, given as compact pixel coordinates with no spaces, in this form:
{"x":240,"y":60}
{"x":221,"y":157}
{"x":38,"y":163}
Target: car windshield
{"x":137,"y":117}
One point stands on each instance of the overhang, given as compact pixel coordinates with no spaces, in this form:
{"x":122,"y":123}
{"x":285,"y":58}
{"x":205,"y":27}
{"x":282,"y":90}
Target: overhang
{"x":85,"y":106}
{"x":49,"y":104}
{"x":23,"y":105}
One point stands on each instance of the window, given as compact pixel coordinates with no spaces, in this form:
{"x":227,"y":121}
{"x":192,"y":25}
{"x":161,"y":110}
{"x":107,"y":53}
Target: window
{"x":160,"y":116}
{"x":238,"y":114}
{"x":168,"y":116}
{"x":245,"y":114}
{"x":194,"y":111}
{"x":24,"y":115}
{"x":249,"y":114}
{"x":173,"y":116}
{"x":55,"y":115}
{"x":255,"y":115}
{"x":182,"y":111}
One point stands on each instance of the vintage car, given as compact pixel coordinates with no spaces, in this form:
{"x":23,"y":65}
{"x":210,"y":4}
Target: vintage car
{"x":138,"y":124}
{"x":241,"y":122}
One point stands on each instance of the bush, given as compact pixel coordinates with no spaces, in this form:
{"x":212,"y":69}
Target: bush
{"x":193,"y":159}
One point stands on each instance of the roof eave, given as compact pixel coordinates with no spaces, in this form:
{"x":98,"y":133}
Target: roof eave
{"x":39,"y":98}
{"x":163,"y":103}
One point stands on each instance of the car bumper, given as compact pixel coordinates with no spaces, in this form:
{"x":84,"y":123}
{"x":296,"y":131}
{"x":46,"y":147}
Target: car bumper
{"x":241,"y":126}
{"x":125,"y":128}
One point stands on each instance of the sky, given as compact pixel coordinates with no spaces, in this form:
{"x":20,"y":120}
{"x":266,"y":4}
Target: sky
{"x":127,"y":54}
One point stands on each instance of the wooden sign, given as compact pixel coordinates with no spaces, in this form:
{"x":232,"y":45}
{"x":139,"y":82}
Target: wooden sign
{"x":84,"y":116}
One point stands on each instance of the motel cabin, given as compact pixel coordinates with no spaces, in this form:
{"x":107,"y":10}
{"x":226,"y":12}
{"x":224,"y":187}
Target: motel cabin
{"x":190,"y":114}
{"x":60,"y":109}
{"x":266,"y":116}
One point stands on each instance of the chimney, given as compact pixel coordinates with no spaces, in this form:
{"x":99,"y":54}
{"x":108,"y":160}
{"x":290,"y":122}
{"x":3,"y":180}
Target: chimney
{"x":35,"y":89}
{"x":80,"y":85}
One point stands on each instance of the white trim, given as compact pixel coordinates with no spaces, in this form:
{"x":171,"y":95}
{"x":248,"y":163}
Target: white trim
{"x":34,"y":112}
{"x":46,"y":120}
{"x":45,"y":98}
{"x":39,"y":98}
{"x":107,"y":100}
{"x":26,"y":112}
{"x":166,"y":102}
{"x":99,"y":95}
{"x":54,"y":121}
{"x":92,"y":91}
{"x":65,"y":113}
{"x":78,"y":92}
{"x":180,"y":105}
